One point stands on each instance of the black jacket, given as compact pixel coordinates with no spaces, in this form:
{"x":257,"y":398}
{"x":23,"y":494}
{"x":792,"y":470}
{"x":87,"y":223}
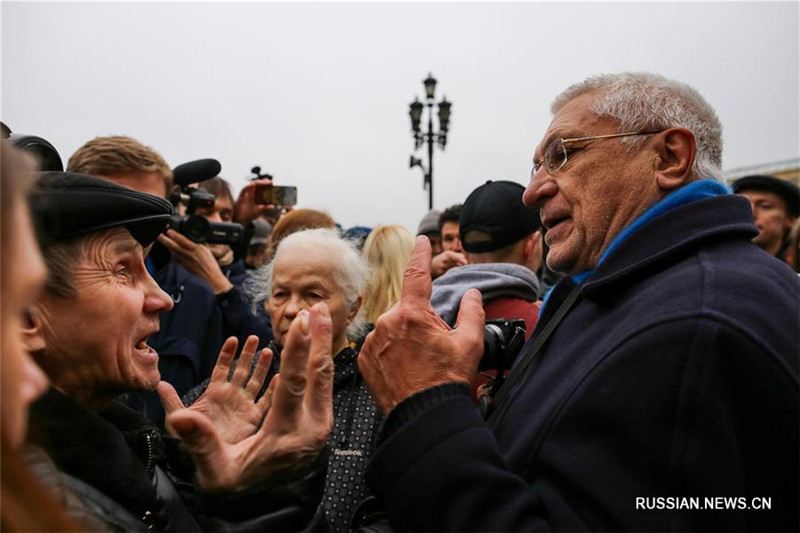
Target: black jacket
{"x":674,"y":376}
{"x":125,"y":458}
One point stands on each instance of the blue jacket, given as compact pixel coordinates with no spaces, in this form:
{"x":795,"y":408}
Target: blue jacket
{"x":675,"y":375}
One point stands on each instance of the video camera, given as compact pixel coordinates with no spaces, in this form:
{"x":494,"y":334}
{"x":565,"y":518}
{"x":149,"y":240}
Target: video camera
{"x":197,"y":227}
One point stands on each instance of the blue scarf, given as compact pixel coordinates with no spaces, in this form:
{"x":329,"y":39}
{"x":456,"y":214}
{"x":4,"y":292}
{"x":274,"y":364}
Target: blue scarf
{"x":696,"y":190}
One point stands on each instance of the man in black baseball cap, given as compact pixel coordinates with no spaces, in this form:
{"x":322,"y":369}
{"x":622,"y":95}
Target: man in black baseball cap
{"x":503,"y":244}
{"x":776,"y":204}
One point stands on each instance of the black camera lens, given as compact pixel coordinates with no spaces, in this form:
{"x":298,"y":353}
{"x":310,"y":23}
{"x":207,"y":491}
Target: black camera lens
{"x":196,"y":228}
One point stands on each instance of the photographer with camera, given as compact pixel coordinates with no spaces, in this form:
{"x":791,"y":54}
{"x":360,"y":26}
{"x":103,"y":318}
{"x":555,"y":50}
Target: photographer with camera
{"x":209,"y":254}
{"x":191,"y":334}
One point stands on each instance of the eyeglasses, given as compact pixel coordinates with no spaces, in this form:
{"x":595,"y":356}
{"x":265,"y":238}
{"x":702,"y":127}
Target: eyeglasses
{"x":555,"y":155}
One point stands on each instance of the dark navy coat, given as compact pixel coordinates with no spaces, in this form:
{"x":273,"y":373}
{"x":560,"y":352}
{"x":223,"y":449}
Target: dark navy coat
{"x":674,"y":376}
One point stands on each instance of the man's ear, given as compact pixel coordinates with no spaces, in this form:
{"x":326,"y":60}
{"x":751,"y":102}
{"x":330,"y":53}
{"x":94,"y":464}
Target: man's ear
{"x":533,"y":250}
{"x":676,"y":151}
{"x":32,"y":335}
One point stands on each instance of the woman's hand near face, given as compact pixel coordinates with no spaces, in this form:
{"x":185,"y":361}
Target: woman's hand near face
{"x":298,"y":408}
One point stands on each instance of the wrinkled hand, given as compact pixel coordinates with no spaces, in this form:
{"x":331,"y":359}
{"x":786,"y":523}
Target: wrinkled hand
{"x":298,"y":421}
{"x":412,"y":348}
{"x":230,"y":405}
{"x":445,"y":261}
{"x":197,"y":259}
{"x":245,"y":209}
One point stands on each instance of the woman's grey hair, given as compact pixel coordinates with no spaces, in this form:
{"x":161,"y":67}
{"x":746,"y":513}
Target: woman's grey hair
{"x":642,"y":101}
{"x":350,"y":270}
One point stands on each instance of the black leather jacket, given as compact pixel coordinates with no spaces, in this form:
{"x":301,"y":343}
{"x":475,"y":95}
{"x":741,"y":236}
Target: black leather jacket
{"x":150,"y":477}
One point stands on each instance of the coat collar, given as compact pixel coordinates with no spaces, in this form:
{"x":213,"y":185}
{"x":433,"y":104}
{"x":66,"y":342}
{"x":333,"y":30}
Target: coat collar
{"x":674,"y":233}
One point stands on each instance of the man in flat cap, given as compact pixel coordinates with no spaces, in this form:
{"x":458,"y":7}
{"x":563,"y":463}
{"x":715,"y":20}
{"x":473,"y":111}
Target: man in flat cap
{"x":775,"y":204}
{"x":89,"y":331}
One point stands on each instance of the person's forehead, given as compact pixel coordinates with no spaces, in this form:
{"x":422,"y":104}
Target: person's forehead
{"x":449,"y":227}
{"x":223,"y":203}
{"x":762,"y":194}
{"x":113,"y":243}
{"x":575,"y":119}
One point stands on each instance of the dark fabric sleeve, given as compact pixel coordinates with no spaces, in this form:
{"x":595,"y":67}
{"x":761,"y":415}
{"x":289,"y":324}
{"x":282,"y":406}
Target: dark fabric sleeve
{"x":439,"y":469}
{"x":239,"y":320}
{"x":286,"y":502}
{"x":688,"y":408}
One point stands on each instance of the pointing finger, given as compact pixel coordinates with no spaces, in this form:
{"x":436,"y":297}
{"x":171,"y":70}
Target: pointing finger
{"x":417,"y":276}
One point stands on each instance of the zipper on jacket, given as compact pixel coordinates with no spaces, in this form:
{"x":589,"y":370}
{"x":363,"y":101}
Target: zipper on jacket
{"x":150,"y":460}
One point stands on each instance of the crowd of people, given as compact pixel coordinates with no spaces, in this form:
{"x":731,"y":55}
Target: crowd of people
{"x":615,"y":346}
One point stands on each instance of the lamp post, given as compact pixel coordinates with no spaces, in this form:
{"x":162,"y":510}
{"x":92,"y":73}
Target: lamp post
{"x":421,"y":137}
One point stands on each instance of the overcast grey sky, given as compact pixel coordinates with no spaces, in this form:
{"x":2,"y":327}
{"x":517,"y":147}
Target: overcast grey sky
{"x":318,"y":94}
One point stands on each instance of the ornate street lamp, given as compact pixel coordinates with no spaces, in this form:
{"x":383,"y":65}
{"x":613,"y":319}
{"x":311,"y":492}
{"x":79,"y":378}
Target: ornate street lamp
{"x":429,"y":137}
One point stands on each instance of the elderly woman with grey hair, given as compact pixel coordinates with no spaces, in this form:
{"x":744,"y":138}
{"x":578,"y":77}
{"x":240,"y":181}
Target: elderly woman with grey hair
{"x":314,"y":266}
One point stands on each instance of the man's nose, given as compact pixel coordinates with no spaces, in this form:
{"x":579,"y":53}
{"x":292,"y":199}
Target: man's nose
{"x":540,"y":187}
{"x":156,"y":300}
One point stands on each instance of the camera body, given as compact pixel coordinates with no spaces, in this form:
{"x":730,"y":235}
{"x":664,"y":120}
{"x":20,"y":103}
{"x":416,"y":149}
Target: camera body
{"x":197,"y":227}
{"x":502,"y":340}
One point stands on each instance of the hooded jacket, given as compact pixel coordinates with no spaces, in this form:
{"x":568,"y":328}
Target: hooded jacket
{"x":494,"y":280}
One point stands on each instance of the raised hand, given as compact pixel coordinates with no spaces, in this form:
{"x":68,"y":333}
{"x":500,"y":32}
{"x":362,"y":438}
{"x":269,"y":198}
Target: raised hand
{"x":299,"y":406}
{"x":245,"y":209}
{"x":230,"y":404}
{"x":412,"y":348}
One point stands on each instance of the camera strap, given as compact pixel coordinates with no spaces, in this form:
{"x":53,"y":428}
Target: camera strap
{"x":530,"y":354}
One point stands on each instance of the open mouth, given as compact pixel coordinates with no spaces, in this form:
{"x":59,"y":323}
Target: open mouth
{"x":145,"y":350}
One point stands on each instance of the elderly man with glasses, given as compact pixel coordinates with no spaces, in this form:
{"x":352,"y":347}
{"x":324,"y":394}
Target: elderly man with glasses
{"x":659,"y":389}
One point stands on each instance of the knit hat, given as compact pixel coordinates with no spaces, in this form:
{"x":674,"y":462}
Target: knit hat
{"x":496,"y":209}
{"x":66,"y":205}
{"x":429,"y":223}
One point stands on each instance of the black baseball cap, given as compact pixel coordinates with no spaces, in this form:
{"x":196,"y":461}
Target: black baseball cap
{"x":496,"y":209}
{"x":787,"y":190}
{"x":65,"y":205}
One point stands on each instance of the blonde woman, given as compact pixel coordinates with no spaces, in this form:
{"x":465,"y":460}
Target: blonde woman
{"x":387,"y":251}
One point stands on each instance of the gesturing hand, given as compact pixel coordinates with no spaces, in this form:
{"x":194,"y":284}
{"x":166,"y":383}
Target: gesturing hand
{"x":412,"y":348}
{"x":230,"y":405}
{"x":299,"y":415}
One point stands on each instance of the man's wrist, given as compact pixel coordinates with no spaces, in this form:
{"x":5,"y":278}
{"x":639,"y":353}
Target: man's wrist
{"x":415,"y":404}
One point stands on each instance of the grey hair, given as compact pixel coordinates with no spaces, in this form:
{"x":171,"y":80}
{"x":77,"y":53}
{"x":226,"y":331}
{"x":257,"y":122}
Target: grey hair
{"x":643,"y":101}
{"x":350,"y":270}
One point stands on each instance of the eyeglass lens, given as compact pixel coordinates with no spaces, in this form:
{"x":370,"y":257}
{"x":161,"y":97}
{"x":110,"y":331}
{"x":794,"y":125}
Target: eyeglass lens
{"x":555,"y":156}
